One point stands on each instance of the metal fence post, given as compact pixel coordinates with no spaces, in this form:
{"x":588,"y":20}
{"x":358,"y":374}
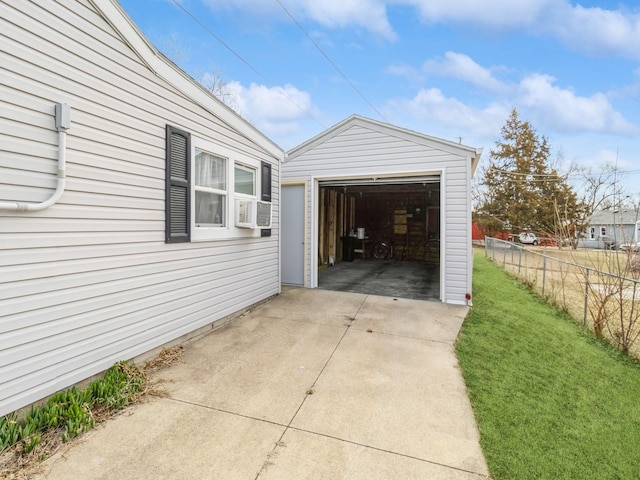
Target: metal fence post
{"x":586,"y":298}
{"x":519,"y":260}
{"x":633,"y":303}
{"x":504,"y":255}
{"x":544,"y":271}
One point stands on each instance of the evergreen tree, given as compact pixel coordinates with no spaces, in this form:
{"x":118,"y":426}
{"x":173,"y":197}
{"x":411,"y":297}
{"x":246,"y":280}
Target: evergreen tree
{"x":522,"y":189}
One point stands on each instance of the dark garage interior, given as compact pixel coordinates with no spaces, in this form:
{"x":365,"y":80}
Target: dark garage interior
{"x":399,"y":255}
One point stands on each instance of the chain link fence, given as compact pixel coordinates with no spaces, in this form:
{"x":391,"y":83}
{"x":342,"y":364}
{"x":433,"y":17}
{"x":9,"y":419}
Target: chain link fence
{"x":607,"y":303}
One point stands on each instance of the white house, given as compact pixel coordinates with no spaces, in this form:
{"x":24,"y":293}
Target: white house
{"x":611,"y":228}
{"x":400,"y":186}
{"x":136,"y":210}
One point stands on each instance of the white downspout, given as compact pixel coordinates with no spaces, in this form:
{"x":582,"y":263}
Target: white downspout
{"x":63,"y":122}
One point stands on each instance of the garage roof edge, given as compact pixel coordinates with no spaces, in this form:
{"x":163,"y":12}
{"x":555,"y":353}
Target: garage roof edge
{"x":411,"y":135}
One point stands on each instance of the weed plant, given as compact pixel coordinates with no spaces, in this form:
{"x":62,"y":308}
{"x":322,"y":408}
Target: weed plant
{"x":72,"y":411}
{"x":552,"y":400}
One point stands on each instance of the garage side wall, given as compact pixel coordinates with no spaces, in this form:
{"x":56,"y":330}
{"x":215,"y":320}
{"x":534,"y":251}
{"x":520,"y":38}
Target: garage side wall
{"x":90,"y":280}
{"x":363,"y":151}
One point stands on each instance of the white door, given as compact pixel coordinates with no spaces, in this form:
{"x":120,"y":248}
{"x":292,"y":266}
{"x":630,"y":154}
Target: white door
{"x":292,"y":221}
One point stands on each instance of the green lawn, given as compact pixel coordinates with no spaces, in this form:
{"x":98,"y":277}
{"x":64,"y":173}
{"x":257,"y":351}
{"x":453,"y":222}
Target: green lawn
{"x":551,"y":400}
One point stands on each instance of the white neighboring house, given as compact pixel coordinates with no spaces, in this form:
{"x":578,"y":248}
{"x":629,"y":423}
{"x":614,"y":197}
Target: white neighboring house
{"x":363,"y":152}
{"x":129,"y":199}
{"x":611,"y":228}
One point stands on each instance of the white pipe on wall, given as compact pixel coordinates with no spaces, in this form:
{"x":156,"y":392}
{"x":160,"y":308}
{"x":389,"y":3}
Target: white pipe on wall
{"x":62,"y":119}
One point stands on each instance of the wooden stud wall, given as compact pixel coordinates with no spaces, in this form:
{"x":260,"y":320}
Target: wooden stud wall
{"x":409,"y":220}
{"x":336,"y":220}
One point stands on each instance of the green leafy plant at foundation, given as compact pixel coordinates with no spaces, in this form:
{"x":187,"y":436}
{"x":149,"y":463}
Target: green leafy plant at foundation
{"x":118,"y":387}
{"x":10,"y":431}
{"x":73,"y":411}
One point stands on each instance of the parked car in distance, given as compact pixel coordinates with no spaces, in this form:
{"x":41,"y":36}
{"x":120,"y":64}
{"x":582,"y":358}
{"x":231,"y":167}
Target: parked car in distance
{"x":528,"y":238}
{"x":630,"y":247}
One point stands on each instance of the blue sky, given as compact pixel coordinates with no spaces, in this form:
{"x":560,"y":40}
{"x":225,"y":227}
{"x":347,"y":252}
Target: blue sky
{"x":445,"y":68}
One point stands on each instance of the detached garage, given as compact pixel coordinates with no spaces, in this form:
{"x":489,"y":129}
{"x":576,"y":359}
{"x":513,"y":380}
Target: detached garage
{"x":365,"y":194}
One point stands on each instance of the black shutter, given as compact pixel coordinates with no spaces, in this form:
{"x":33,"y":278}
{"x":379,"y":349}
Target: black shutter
{"x":178,"y":173}
{"x":265,"y":175}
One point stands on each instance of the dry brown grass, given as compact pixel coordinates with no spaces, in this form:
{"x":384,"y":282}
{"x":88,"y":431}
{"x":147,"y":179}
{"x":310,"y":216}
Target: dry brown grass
{"x":602,"y":299}
{"x":613,"y":261}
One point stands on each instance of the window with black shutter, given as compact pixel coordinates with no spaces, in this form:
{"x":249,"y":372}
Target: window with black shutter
{"x":178,"y":177}
{"x":265,"y":176}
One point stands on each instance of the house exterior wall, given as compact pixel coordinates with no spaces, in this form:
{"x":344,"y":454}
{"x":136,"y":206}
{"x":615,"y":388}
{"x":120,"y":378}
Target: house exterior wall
{"x":619,"y":226}
{"x":90,"y":280}
{"x":617,"y":233}
{"x":363,"y":150}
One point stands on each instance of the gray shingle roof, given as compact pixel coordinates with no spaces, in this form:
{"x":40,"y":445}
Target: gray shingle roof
{"x":615,"y":217}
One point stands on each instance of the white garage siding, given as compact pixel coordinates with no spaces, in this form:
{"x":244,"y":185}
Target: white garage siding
{"x":90,"y":280}
{"x":363,"y":148}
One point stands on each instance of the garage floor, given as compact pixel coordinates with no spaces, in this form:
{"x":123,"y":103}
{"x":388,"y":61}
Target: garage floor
{"x":389,"y":278}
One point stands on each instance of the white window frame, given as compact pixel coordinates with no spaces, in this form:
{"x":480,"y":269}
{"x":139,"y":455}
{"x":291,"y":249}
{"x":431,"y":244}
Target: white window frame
{"x":603,"y":232}
{"x":233,"y":159}
{"x":221,"y":192}
{"x":255,"y":170}
{"x":592,"y":233}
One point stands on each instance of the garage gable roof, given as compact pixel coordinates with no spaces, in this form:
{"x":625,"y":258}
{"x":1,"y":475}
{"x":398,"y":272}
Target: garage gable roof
{"x":391,"y":130}
{"x":161,"y":66}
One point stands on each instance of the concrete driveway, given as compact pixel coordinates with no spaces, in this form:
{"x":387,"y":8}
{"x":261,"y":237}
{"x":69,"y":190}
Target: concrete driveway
{"x":313,"y":384}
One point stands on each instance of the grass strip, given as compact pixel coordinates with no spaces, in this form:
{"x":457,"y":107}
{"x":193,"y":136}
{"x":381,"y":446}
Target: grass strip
{"x":551,"y":400}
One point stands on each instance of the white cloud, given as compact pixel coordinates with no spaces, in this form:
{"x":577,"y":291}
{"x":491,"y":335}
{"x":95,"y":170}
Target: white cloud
{"x":597,"y":31}
{"x":550,"y":108}
{"x":370,"y":15}
{"x":592,"y":30}
{"x":273,"y":110}
{"x":406,"y":71}
{"x":462,"y":67}
{"x":430,"y":106}
{"x":490,"y":13}
{"x":563,"y":110}
{"x":256,"y":7}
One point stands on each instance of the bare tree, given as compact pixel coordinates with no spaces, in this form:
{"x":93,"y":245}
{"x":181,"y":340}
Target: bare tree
{"x":600,"y":189}
{"x":171,"y":48}
{"x":213,"y":81}
{"x":215,"y":84}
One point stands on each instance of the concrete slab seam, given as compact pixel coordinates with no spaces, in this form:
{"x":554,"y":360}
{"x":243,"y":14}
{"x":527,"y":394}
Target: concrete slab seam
{"x":411,"y":457}
{"x":235,"y":414}
{"x":278,"y":443}
{"x":439,"y":342}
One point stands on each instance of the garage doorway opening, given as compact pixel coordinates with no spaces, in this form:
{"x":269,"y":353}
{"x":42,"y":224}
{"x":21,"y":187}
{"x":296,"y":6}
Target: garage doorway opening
{"x":380,"y":238}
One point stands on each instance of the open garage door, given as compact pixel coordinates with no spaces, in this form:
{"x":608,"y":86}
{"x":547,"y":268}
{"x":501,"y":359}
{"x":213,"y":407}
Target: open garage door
{"x":380,"y":237}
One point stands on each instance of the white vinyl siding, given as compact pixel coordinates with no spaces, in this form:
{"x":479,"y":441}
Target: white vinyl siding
{"x":90,"y":280}
{"x":360,"y":148}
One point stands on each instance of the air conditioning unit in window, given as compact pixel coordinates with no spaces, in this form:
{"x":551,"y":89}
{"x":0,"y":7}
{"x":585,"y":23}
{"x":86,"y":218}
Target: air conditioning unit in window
{"x":245,"y":213}
{"x":263,"y":214}
{"x":250,"y":213}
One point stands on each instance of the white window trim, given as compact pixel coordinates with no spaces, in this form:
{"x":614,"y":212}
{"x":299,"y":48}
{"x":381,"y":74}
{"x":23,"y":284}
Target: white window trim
{"x":229,"y":231}
{"x":197,"y":188}
{"x":255,"y":170}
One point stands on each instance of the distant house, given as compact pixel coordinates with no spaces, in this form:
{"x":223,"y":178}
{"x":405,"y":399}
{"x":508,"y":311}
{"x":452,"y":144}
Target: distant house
{"x":407,"y":189}
{"x":136,"y":210}
{"x":610,"y":228}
